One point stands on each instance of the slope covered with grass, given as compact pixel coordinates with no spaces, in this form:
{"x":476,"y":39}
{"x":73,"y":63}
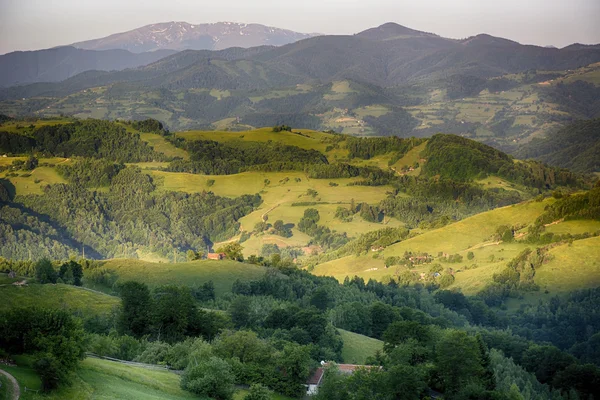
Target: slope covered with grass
{"x":193,"y":273}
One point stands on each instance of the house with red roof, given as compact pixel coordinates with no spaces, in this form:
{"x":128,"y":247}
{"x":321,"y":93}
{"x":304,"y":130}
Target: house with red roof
{"x":314,"y":381}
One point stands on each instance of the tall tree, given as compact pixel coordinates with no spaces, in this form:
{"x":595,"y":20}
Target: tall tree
{"x":135,"y":317}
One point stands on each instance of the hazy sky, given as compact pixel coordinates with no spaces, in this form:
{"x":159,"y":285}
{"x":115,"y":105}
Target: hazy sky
{"x":36,"y":24}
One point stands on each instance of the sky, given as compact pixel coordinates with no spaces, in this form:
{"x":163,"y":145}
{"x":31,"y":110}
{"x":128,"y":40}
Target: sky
{"x":38,"y":24}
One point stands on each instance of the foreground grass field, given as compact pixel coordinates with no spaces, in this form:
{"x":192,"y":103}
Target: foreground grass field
{"x":73,"y":298}
{"x":194,"y":273}
{"x":107,"y":380}
{"x":357,"y":348}
{"x":104,"y":380}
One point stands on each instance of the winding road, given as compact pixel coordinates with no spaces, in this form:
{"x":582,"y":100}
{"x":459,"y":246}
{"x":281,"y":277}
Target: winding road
{"x":16,"y":393}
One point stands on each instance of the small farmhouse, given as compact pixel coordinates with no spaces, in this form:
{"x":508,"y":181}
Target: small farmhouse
{"x":215,"y":256}
{"x":314,"y":381}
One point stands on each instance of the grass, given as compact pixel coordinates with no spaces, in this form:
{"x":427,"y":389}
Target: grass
{"x":222,"y":273}
{"x":37,"y":179}
{"x":279,"y":195}
{"x":161,"y":145}
{"x":107,"y":380}
{"x":574,"y":227}
{"x":104,"y":380}
{"x":358,"y":347}
{"x":471,"y":234}
{"x":6,"y":388}
{"x":73,"y":298}
{"x":574,"y":267}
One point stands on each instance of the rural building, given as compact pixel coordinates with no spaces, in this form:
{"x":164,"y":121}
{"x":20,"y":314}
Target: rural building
{"x":215,"y":256}
{"x":314,"y":381}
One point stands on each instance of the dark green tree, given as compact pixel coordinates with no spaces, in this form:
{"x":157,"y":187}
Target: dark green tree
{"x":211,"y":378}
{"x":44,"y":271}
{"x":135,"y":318}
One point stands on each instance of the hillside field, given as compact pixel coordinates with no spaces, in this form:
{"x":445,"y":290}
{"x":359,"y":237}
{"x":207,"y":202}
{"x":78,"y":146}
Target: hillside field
{"x":357,"y":348}
{"x":573,"y":267}
{"x":76,"y":299}
{"x":193,"y":273}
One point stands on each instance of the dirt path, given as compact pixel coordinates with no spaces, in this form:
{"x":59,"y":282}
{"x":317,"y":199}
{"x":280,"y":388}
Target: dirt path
{"x":478,"y":246}
{"x":16,"y":388}
{"x":268,"y":211}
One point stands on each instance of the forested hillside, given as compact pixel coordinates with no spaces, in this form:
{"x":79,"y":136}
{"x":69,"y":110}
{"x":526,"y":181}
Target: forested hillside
{"x":576,"y":147}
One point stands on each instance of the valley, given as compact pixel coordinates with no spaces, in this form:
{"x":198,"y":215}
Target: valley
{"x":234,"y":211}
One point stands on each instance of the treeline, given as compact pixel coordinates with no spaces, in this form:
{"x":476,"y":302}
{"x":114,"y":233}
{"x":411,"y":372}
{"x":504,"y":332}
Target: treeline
{"x":321,"y":235}
{"x":25,"y":235}
{"x":434,"y":202}
{"x":128,"y":217}
{"x":462,"y":159}
{"x":575,"y":206}
{"x":367,"y":148}
{"x":373,"y":176}
{"x":214,"y":158}
{"x":86,"y":138}
{"x":89,"y":172}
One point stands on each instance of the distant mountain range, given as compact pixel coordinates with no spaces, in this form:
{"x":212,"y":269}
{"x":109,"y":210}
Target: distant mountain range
{"x":388,"y":80}
{"x":186,"y":36}
{"x":386,"y":56}
{"x":60,"y":63}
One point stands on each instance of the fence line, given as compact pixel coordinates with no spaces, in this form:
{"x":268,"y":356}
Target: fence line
{"x":133,"y":363}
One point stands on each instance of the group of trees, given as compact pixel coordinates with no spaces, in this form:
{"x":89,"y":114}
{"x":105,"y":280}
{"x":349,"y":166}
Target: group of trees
{"x":87,"y":138}
{"x":367,"y":148}
{"x":54,"y":338}
{"x":168,"y":313}
{"x":321,"y":235}
{"x":70,"y":272}
{"x":214,"y":158}
{"x":462,"y":159}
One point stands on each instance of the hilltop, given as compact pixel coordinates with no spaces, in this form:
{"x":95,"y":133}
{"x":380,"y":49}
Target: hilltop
{"x":178,"y":35}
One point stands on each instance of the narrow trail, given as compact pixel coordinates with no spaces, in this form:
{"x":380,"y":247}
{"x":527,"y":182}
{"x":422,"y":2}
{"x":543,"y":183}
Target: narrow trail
{"x":16,"y":393}
{"x":268,"y":211}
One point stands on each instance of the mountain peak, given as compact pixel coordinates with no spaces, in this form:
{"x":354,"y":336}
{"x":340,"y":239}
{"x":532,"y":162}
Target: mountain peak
{"x":180,"y":35}
{"x":392,"y":30}
{"x":488,"y":40}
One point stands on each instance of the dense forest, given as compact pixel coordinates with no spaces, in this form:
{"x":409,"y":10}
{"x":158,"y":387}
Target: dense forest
{"x":128,"y":217}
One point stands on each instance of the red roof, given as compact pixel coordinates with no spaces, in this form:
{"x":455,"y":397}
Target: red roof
{"x":315,"y":379}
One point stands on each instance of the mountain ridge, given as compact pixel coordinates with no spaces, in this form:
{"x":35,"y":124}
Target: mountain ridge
{"x":180,"y":35}
{"x":60,"y":63}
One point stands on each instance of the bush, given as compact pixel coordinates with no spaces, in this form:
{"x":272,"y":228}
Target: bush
{"x":210,"y":378}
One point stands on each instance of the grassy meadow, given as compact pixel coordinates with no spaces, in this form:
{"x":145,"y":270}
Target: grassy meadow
{"x":357,"y":348}
{"x":573,"y":266}
{"x":192,"y":273}
{"x":73,"y":298}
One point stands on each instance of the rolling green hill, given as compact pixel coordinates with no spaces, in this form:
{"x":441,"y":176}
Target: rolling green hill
{"x":570,"y":266}
{"x":79,"y":300}
{"x":193,"y":273}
